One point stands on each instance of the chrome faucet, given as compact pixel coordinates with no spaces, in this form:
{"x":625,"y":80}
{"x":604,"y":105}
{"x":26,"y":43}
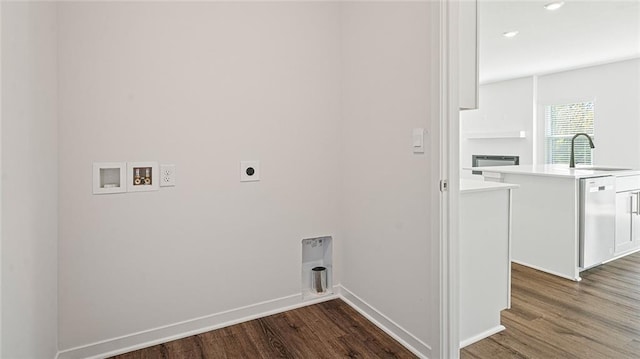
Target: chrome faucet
{"x":572,"y":159}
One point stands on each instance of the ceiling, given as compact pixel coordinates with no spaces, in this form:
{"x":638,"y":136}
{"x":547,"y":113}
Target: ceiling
{"x":580,"y":33}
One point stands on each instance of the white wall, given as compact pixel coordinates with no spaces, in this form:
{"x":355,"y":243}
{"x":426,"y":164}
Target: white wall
{"x":519,"y":105}
{"x":505,"y":106}
{"x":29,"y":180}
{"x":203,"y":86}
{"x":386,"y":187}
{"x":615,"y":90}
{"x":321,"y":93}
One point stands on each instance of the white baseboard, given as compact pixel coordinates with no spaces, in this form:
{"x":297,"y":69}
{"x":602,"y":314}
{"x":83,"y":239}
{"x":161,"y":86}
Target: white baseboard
{"x":546,"y":270}
{"x":622,"y":255}
{"x":481,"y":336}
{"x":408,"y":340}
{"x":147,"y":338}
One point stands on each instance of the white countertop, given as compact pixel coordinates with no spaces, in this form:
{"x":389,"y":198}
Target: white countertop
{"x":556,"y":171}
{"x":468,"y":186}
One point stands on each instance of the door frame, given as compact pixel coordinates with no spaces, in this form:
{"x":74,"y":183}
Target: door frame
{"x":447,"y":167}
{"x":1,"y":334}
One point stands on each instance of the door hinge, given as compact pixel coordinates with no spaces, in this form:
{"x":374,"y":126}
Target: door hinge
{"x":444,"y":185}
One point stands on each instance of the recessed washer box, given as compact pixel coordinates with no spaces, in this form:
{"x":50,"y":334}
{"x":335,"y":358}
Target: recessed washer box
{"x":142,"y":176}
{"x":109,"y":177}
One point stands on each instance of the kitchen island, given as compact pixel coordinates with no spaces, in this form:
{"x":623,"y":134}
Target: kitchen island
{"x":546,"y":214}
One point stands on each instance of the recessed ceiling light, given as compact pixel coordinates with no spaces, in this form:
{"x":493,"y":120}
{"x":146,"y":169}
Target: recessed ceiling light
{"x":554,"y":5}
{"x":510,"y":34}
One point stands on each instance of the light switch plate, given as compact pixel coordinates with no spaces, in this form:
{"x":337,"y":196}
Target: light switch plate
{"x":418,"y":140}
{"x":249,"y":171}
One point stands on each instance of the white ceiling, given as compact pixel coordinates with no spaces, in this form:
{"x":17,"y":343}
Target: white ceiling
{"x":580,"y":33}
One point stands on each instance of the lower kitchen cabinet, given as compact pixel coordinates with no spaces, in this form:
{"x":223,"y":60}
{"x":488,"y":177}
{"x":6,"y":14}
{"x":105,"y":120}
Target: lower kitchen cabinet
{"x":627,"y":237}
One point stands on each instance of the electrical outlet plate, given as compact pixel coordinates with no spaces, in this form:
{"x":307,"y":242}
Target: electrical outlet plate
{"x":249,"y":171}
{"x":167,"y":175}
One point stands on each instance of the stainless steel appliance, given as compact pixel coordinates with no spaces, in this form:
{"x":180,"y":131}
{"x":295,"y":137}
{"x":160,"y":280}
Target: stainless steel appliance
{"x":597,"y":220}
{"x":492,"y":160}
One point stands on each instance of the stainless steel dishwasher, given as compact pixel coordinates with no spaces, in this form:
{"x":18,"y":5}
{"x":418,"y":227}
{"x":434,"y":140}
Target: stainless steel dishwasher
{"x":597,"y":220}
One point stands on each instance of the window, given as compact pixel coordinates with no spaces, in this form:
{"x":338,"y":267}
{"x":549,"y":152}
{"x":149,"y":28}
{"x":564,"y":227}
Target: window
{"x":562,"y":122}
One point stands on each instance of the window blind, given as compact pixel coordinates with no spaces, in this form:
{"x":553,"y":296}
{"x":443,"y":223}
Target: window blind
{"x":562,"y":122}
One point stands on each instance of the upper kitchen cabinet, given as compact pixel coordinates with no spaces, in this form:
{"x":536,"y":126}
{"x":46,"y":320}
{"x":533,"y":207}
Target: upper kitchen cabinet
{"x":468,"y":54}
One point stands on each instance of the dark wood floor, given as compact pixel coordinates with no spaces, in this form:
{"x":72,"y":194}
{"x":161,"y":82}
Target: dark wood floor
{"x":327,"y":330}
{"x":551,"y":317}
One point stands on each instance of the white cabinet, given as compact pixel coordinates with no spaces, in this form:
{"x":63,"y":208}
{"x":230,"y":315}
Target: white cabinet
{"x":627,"y":237}
{"x":485,"y":266}
{"x":468,"y":54}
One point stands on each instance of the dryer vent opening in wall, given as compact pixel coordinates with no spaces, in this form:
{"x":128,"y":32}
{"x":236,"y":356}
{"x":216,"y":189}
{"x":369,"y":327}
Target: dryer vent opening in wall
{"x":317,"y":263}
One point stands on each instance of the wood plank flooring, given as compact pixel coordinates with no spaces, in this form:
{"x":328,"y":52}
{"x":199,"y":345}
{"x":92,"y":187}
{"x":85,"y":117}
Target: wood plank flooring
{"x":327,"y":330}
{"x":551,"y":317}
